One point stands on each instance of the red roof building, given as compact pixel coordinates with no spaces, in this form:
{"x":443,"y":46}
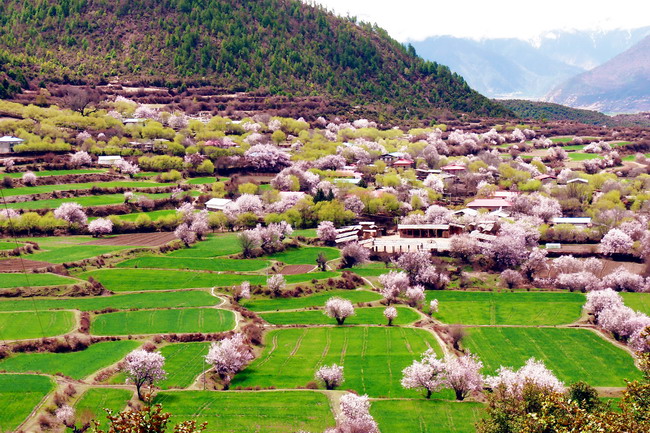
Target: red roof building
{"x":403,"y":163}
{"x":453,"y":168}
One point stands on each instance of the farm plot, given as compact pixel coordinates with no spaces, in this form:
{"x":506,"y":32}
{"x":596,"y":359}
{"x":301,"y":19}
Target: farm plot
{"x":304,"y":256}
{"x":181,"y":299}
{"x":213,"y":246}
{"x":198,"y":264}
{"x":245,"y":412}
{"x":135,"y":240}
{"x":68,"y":249}
{"x":362,"y":316}
{"x":8,"y":245}
{"x":86,"y":201}
{"x":95,"y":400}
{"x":507,"y":308}
{"x":141,"y":322}
{"x":46,"y":173}
{"x":154,"y":214}
{"x":28,"y":190}
{"x":420,"y":416}
{"x":637,"y":301}
{"x":572,"y":354}
{"x":74,"y":364}
{"x":297,"y":269}
{"x":123,"y":280}
{"x":8,"y":281}
{"x":35,"y":324}
{"x":19,"y":394}
{"x":316,"y":300}
{"x":373,"y":358}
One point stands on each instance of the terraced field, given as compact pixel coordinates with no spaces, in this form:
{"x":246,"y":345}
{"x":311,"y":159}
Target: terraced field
{"x":315,"y":300}
{"x":372,"y":357}
{"x":19,"y":394}
{"x":35,"y":324}
{"x":362,"y":316}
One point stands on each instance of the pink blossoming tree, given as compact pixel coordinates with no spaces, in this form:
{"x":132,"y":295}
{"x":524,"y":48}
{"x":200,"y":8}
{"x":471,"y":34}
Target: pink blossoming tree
{"x":339,"y":309}
{"x":144,"y":368}
{"x":229,"y":356}
{"x":330,"y":375}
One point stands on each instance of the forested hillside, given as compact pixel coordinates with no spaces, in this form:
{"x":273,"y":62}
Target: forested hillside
{"x":281,"y":47}
{"x":549,"y":111}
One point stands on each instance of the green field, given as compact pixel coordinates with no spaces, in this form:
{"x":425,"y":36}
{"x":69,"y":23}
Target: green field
{"x":316,"y":300}
{"x":154,"y":215}
{"x":305,"y":233}
{"x":185,"y":320}
{"x":95,"y":400}
{"x":19,"y":395}
{"x":86,"y":201}
{"x":197,"y":264}
{"x":36,"y":280}
{"x":45,"y":173}
{"x":572,"y":354}
{"x":35,"y":324}
{"x":304,"y":256}
{"x":186,"y":298}
{"x":184,"y":362}
{"x":213,"y":246}
{"x":61,"y":249}
{"x":507,"y":308}
{"x":205,"y":180}
{"x":123,"y":280}
{"x":9,"y":245}
{"x":579,"y":156}
{"x":372,"y":269}
{"x":373,"y":358}
{"x":245,"y":412}
{"x":74,"y":364}
{"x":362,"y":316}
{"x":637,"y":301}
{"x":28,"y":190}
{"x":426,"y":416}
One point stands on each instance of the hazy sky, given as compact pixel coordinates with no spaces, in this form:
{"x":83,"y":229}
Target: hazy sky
{"x":417,"y":19}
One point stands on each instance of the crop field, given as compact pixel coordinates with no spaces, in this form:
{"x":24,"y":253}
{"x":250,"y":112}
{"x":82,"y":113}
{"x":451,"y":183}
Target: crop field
{"x":86,"y":201}
{"x":373,"y":358}
{"x":154,"y":215}
{"x":21,"y":280}
{"x":122,"y":280}
{"x":579,"y":156}
{"x":19,"y":394}
{"x":637,"y":301}
{"x":305,"y":233}
{"x":74,"y":364}
{"x":214,"y":246}
{"x":362,"y":316}
{"x":507,"y":308}
{"x":243,"y":412}
{"x":419,"y":416}
{"x":46,"y":173}
{"x":25,"y":325}
{"x":184,"y":362}
{"x":180,"y":299}
{"x":95,"y":400}
{"x":316,"y":300}
{"x":185,"y":320}
{"x":198,"y":264}
{"x":28,"y":190}
{"x":8,"y":245}
{"x":304,"y":256}
{"x":572,"y":354}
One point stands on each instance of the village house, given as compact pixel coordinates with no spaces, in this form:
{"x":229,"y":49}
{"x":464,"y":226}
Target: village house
{"x":575,"y":221}
{"x":108,"y":159}
{"x":429,"y":230}
{"x":491,"y":204}
{"x":217,"y":204}
{"x":8,"y":142}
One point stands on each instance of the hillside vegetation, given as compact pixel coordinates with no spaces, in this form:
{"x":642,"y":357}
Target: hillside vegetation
{"x":275,"y":47}
{"x":550,"y":111}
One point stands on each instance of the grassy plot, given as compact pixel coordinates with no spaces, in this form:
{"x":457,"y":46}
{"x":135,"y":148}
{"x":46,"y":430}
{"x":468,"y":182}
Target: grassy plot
{"x":9,"y":245}
{"x":186,"y":298}
{"x":35,"y":324}
{"x":198,"y":264}
{"x":373,"y":358}
{"x":75,"y":253}
{"x":183,"y":363}
{"x":86,"y":201}
{"x":154,"y":215}
{"x":305,"y":233}
{"x":372,"y":269}
{"x":507,"y":308}
{"x":304,"y":256}
{"x":246,"y":412}
{"x":637,"y":301}
{"x":11,"y":280}
{"x":74,"y":364}
{"x":19,"y":395}
{"x":579,"y":156}
{"x":422,"y":416}
{"x":122,"y":280}
{"x":213,"y":246}
{"x":572,"y":354}
{"x":362,"y":316}
{"x":185,"y":320}
{"x":95,"y":400}
{"x":25,"y":190}
{"x":45,"y":173}
{"x":317,"y":300}
{"x":205,"y":180}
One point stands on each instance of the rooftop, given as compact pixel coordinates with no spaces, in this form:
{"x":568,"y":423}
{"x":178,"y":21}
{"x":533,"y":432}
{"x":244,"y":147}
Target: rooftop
{"x":489,"y":202}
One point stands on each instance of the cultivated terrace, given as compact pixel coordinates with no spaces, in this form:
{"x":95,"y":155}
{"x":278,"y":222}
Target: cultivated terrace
{"x":275,"y":274}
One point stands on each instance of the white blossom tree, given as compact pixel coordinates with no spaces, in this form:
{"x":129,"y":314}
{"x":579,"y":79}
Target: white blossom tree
{"x":144,"y":368}
{"x":616,"y":241}
{"x":330,"y":375}
{"x":326,"y":232}
{"x":339,"y":309}
{"x":427,"y":374}
{"x":100,"y":227}
{"x":72,"y":213}
{"x":390,"y":313}
{"x":355,"y":415}
{"x":229,"y":356}
{"x":533,"y":373}
{"x":276,"y":283}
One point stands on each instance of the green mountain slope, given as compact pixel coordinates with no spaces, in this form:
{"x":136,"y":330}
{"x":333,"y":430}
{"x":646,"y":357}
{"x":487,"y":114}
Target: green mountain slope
{"x":282,"y":47}
{"x":549,"y":111}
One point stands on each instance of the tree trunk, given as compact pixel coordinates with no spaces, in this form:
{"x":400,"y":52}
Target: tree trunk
{"x":340,"y":321}
{"x":459,"y":395}
{"x":428,"y":393}
{"x":390,"y":322}
{"x":137,"y":387}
